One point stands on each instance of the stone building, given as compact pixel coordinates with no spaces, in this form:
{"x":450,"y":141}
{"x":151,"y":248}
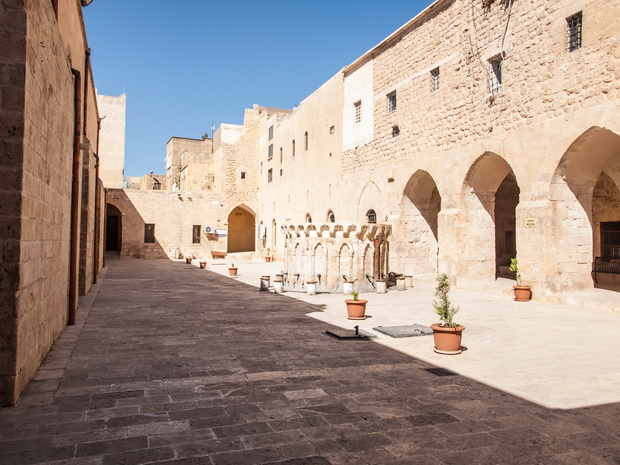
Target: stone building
{"x":50,"y":199}
{"x":476,"y":132}
{"x":112,"y":111}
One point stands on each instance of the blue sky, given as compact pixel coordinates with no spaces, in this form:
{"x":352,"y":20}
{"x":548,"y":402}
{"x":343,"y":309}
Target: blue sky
{"x":184,"y":64}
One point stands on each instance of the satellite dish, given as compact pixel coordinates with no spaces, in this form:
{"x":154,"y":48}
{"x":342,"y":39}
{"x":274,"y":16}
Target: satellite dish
{"x":205,"y":136}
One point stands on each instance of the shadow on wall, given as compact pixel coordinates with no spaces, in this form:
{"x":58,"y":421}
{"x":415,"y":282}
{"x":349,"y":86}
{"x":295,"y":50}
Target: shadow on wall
{"x":127,"y":234}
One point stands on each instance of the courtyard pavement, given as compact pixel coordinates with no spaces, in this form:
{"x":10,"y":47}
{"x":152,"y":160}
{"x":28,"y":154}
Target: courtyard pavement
{"x":173,"y":364}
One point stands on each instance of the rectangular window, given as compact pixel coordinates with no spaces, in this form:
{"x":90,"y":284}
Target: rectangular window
{"x":270,"y":155}
{"x":610,"y":239}
{"x":149,"y":233}
{"x":270,"y":175}
{"x":156,"y":186}
{"x":243,"y":175}
{"x":332,"y":129}
{"x":281,"y":155}
{"x":573,"y":32}
{"x":270,"y":132}
{"x":435,"y":80}
{"x":280,"y":171}
{"x":495,"y":75}
{"x":391,"y":102}
{"x":196,"y":234}
{"x":306,"y":140}
{"x":293,"y":147}
{"x":358,"y":111}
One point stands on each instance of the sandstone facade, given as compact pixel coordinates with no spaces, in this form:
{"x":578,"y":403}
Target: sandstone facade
{"x":50,"y":200}
{"x":476,"y":132}
{"x":112,"y":111}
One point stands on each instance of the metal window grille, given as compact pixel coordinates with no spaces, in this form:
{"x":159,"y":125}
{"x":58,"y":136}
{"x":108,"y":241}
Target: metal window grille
{"x":395,"y":131}
{"x":306,"y":140}
{"x":573,"y":32}
{"x":293,"y":147}
{"x":149,"y":233}
{"x":270,"y":132}
{"x":495,"y":75}
{"x":435,"y":80}
{"x":391,"y":102}
{"x":358,"y":111}
{"x":243,"y":175}
{"x":270,"y":175}
{"x":371,"y":216}
{"x":281,"y":154}
{"x":270,"y":156}
{"x":196,"y":234}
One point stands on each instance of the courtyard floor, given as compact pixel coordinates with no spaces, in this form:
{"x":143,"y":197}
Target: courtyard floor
{"x":173,"y":364}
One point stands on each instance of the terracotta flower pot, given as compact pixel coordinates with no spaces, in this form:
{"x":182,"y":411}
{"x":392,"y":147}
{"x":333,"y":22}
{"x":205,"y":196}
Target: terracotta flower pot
{"x":267,"y":259}
{"x":202,"y":264}
{"x":356,"y":309}
{"x":232,"y":271}
{"x":188,"y":261}
{"x":522,"y":293}
{"x":447,"y":340}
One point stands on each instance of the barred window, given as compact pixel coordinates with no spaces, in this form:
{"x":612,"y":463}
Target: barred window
{"x":435,"y":80}
{"x":358,"y":111}
{"x":391,"y":102}
{"x":371,"y":216}
{"x":495,"y":75}
{"x":573,"y":32}
{"x":306,"y":140}
{"x":149,"y":233}
{"x":196,"y":234}
{"x":270,"y":175}
{"x":395,"y":131}
{"x":270,"y":132}
{"x":270,"y":155}
{"x":293,"y":147}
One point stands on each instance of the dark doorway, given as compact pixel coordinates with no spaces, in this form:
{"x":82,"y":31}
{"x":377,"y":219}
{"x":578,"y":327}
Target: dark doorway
{"x":113,"y":228}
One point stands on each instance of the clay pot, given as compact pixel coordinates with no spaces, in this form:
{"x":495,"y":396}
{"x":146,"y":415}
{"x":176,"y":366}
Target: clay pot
{"x":232,"y":271}
{"x":522,"y":293}
{"x":188,"y":261}
{"x":267,"y":259}
{"x":356,"y":309}
{"x":447,"y":340}
{"x":203,"y":265}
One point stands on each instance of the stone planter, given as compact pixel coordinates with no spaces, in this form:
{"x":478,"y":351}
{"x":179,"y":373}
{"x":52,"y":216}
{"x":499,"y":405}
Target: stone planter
{"x":408,"y":281}
{"x":347,"y":288}
{"x":400,"y":284}
{"x":381,"y":286}
{"x":265,"y":282}
{"x":311,"y":288}
{"x":278,"y":286}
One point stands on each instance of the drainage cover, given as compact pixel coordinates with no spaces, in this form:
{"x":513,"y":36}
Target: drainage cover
{"x":405,"y":330}
{"x":347,"y":334}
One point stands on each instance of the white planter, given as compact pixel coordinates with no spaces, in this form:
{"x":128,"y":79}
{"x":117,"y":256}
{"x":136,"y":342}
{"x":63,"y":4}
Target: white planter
{"x":264,"y":283}
{"x":278,"y":286}
{"x":311,"y":287}
{"x":400,"y":284}
{"x":347,"y":288}
{"x":381,"y":287}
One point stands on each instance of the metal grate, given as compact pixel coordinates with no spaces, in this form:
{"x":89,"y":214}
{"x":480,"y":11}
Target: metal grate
{"x":573,"y":32}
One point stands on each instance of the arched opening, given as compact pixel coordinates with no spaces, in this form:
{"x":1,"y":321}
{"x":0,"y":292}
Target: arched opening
{"x":320,"y":264}
{"x":490,"y":196}
{"x":418,"y":242}
{"x":274,"y":234}
{"x":367,"y":201}
{"x":345,"y":262}
{"x":308,"y":218}
{"x":371,"y":216}
{"x":241,"y":230}
{"x":586,"y":209}
{"x":331,"y":218}
{"x":113,"y":229}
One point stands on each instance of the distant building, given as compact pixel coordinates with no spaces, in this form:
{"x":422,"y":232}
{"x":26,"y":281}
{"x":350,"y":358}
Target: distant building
{"x":112,"y":111}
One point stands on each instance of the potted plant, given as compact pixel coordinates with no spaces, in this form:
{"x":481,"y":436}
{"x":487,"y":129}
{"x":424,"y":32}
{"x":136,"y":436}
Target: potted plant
{"x":232,"y":270}
{"x":268,"y":256}
{"x":203,"y":264}
{"x":447,"y":334}
{"x":356,"y":308}
{"x":522,"y":293}
{"x":188,"y":259}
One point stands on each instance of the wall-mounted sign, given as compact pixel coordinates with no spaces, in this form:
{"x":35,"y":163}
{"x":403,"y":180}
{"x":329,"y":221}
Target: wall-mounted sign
{"x":530,"y":222}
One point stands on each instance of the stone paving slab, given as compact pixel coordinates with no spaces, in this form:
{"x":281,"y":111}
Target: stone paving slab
{"x":172,"y":364}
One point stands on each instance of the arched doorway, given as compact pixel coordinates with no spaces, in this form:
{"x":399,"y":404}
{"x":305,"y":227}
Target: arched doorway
{"x":241,"y":230}
{"x":418,"y":243}
{"x":490,"y":196}
{"x":586,"y":209}
{"x":113,"y":229}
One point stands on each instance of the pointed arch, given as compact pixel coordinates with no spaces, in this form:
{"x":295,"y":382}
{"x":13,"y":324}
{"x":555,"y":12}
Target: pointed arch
{"x":241,"y":229}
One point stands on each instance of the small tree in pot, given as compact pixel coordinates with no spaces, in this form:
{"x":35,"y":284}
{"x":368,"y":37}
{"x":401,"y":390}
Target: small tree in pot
{"x":447,"y":334}
{"x":522,"y":293}
{"x":356,"y":307}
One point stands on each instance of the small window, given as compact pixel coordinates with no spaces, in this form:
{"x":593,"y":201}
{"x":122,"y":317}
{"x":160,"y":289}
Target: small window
{"x":270,"y":155}
{"x":293,"y":147}
{"x":371,"y":216}
{"x":610,"y":239}
{"x":306,"y":140}
{"x":308,"y":218}
{"x":196,"y":234}
{"x":243,"y":175}
{"x":270,"y":132}
{"x":270,"y":175}
{"x":395,"y":131}
{"x":435,"y":80}
{"x":332,"y":129}
{"x":391,"y":102}
{"x":281,"y":155}
{"x":495,"y":75}
{"x":149,"y":233}
{"x":156,"y":185}
{"x":331,"y":218}
{"x":280,"y":171}
{"x":358,"y":111}
{"x":573,"y":32}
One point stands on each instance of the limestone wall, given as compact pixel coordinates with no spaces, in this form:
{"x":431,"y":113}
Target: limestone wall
{"x":112,"y":139}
